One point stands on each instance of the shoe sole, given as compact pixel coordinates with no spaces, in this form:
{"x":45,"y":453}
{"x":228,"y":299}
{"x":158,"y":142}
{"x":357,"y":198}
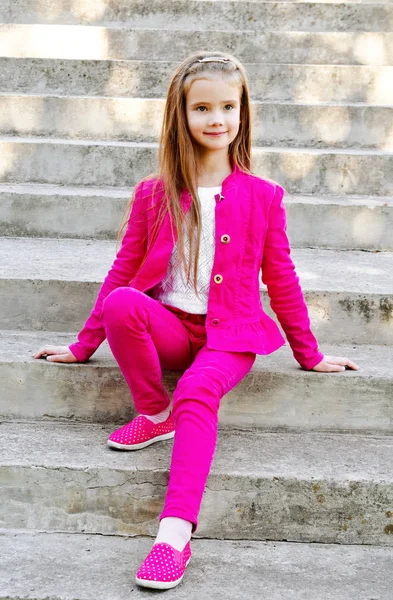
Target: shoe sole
{"x":160,"y":585}
{"x":165,"y":436}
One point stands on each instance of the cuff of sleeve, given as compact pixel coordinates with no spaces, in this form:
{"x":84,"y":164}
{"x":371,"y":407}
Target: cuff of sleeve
{"x":312,"y":362}
{"x":77,"y":350}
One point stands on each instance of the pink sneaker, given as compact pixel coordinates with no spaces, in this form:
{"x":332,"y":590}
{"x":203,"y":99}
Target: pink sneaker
{"x":164,"y":567}
{"x":141,"y":432}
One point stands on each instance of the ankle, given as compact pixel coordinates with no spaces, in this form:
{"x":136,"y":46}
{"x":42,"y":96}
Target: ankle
{"x":159,"y":417}
{"x":174,"y":531}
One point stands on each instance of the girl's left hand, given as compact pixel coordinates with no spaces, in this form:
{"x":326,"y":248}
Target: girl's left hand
{"x":331,"y":364}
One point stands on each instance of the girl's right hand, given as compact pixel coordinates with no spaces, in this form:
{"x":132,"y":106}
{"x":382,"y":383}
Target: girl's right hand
{"x":56,"y":354}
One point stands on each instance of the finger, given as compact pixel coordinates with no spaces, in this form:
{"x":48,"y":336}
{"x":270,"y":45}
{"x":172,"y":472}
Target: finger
{"x":41,"y":351}
{"x":343,"y":361}
{"x":336,"y":360}
{"x":47,"y":350}
{"x":332,"y":368}
{"x":352,"y":365}
{"x":57,"y":358}
{"x":327,"y":368}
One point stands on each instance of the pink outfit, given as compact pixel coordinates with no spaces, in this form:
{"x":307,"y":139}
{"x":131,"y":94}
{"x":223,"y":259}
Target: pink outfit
{"x":216,"y":350}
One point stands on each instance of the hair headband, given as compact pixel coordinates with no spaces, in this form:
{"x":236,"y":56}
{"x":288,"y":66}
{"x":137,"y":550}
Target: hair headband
{"x":214,"y":59}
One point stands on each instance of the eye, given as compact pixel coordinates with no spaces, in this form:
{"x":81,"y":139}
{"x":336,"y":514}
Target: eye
{"x":230,"y":105}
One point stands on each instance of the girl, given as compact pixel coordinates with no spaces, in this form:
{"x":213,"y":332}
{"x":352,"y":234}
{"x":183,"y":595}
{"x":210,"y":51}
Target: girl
{"x":154,"y":318}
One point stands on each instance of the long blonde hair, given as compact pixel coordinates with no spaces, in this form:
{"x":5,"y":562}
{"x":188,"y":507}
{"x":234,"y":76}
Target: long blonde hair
{"x":178,"y":157}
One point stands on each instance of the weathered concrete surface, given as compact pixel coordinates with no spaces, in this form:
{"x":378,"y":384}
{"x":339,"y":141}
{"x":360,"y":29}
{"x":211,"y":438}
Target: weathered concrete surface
{"x":34,"y":210}
{"x":62,"y":212}
{"x":185,"y":14}
{"x":140,"y":120}
{"x":150,"y":79}
{"x":310,"y":487}
{"x":342,"y":223}
{"x":106,"y":43}
{"x":51,"y":284}
{"x":299,"y":171}
{"x":276,"y":395}
{"x":97,"y":568}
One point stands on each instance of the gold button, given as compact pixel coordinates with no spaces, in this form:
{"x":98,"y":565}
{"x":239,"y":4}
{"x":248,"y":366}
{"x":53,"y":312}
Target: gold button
{"x":218,"y":278}
{"x":225,"y":238}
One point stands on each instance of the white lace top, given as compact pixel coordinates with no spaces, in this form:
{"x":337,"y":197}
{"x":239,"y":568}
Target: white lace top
{"x":173,"y":289}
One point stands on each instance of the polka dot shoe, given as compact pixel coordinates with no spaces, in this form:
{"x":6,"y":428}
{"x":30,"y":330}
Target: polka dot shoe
{"x":141,"y":432}
{"x":164,"y":567}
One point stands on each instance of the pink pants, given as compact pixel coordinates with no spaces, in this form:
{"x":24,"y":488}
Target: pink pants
{"x":147,"y":336}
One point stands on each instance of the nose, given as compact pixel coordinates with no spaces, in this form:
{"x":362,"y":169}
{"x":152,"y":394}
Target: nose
{"x":216,"y":118}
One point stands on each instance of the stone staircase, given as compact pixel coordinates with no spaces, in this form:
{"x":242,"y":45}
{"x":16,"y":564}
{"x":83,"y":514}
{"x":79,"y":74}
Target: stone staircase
{"x":299,"y":502}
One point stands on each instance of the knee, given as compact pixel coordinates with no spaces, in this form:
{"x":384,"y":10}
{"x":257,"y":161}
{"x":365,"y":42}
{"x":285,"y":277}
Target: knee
{"x":118,"y":303}
{"x":196,"y":395}
{"x":197,"y":414}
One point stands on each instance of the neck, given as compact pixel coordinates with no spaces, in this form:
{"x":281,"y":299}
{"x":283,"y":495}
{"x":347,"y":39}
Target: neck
{"x":213,"y":170}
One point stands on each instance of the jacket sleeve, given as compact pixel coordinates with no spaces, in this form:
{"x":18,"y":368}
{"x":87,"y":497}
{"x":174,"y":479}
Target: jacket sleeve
{"x":285,"y":293}
{"x":123,"y":269}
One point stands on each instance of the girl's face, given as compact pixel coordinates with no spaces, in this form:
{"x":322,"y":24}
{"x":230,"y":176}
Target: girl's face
{"x":213,"y":107}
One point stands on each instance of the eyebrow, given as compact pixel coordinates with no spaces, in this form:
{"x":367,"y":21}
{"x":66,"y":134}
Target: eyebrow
{"x":223,"y":102}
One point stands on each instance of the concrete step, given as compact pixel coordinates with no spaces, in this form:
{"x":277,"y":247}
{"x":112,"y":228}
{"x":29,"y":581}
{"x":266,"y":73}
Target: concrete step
{"x":94,"y":567}
{"x":34,"y":210}
{"x":189,"y":14}
{"x":328,"y":488}
{"x":52,"y":284}
{"x":340,"y":222}
{"x":150,"y":79}
{"x":140,"y":120}
{"x":86,"y":162}
{"x":275,"y":396}
{"x":105,"y":43}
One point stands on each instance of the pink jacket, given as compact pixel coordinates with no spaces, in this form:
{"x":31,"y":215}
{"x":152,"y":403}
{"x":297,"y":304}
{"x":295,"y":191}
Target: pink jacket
{"x":250,"y":237}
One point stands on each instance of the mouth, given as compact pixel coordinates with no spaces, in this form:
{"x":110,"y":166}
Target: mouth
{"x":216,"y":133}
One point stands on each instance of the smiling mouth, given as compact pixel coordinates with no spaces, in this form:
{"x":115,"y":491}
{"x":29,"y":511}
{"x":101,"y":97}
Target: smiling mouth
{"x":216,"y":133}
